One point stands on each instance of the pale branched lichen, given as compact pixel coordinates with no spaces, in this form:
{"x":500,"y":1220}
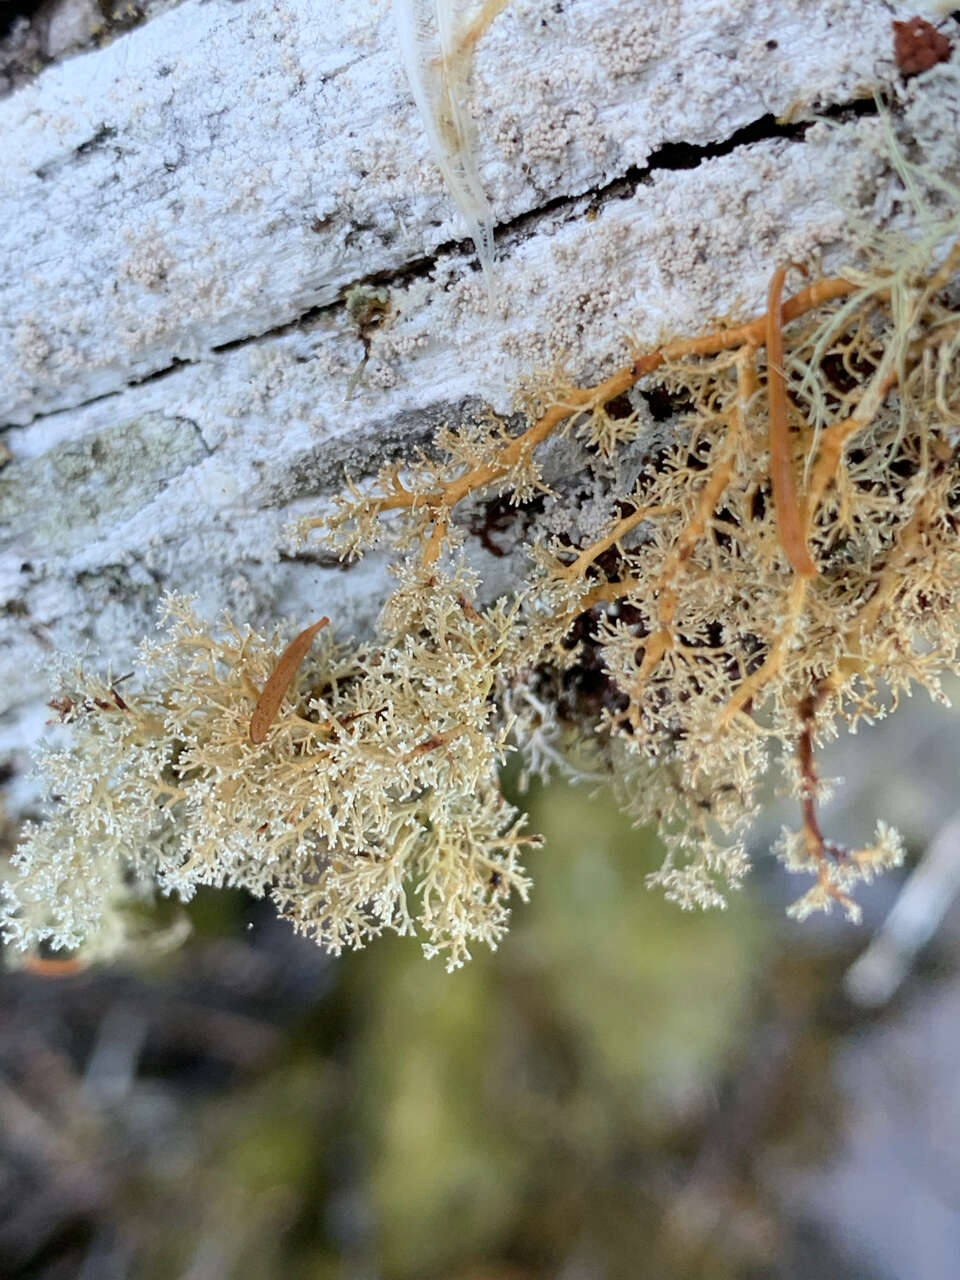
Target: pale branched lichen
{"x":783,"y":563}
{"x":378,"y":776}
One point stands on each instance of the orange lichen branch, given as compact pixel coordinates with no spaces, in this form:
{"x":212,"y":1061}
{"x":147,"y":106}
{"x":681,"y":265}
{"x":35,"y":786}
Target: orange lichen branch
{"x":789,"y":521}
{"x":442,"y":500}
{"x":280,"y":680}
{"x":446,"y":498}
{"x":826,"y":464}
{"x":809,"y":780}
{"x":606,"y":593}
{"x":577,"y":568}
{"x":751,"y":686}
{"x":835,"y":437}
{"x":448,"y":495}
{"x":754,"y":332}
{"x":893,"y":577}
{"x":676,"y":563}
{"x":438,"y":533}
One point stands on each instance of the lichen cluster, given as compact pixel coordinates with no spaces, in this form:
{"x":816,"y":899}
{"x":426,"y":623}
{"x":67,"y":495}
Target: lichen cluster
{"x":781,"y":563}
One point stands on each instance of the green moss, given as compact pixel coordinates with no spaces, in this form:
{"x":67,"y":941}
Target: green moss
{"x":652,"y":997}
{"x":599,"y":1030}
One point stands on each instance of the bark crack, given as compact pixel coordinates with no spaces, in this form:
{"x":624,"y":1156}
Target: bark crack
{"x":669,"y":157}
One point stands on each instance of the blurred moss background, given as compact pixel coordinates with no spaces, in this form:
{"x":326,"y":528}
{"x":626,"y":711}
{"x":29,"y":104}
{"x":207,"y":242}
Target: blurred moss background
{"x":623,"y":1090}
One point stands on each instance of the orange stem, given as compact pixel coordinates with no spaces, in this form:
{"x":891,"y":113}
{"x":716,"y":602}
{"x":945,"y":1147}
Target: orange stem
{"x":755,"y":332}
{"x":789,"y":521}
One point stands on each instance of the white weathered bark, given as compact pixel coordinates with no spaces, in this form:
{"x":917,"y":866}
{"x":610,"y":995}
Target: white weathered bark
{"x":182,"y":212}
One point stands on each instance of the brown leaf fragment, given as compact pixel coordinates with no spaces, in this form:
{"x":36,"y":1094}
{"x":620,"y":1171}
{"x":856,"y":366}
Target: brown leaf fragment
{"x":918,"y":46}
{"x":276,"y":687}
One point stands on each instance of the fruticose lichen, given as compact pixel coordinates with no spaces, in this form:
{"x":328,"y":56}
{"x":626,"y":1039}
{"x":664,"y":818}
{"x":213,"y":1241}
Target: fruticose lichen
{"x":665,"y":641}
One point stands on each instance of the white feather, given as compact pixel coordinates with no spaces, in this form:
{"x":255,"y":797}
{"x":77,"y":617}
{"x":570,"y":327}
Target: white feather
{"x":437,"y":67}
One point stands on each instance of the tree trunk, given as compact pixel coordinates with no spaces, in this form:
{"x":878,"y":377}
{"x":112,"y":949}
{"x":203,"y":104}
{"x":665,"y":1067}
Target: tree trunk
{"x":186,"y":210}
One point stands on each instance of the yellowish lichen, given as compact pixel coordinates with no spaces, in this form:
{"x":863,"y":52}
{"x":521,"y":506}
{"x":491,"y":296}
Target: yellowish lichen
{"x":782,"y":563}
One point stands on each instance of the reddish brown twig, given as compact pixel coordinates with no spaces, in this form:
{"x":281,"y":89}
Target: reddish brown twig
{"x":823,"y":852}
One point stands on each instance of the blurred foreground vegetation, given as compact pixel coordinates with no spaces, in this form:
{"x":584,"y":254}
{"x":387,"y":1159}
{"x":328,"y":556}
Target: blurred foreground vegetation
{"x":623,"y":1090}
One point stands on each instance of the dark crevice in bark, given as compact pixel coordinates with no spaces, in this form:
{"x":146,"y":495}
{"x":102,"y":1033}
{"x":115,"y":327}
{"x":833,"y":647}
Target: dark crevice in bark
{"x":673,"y":156}
{"x":669,"y":157}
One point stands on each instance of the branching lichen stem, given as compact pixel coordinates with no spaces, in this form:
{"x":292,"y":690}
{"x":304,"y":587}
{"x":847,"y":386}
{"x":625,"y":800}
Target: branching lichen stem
{"x":789,"y":522}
